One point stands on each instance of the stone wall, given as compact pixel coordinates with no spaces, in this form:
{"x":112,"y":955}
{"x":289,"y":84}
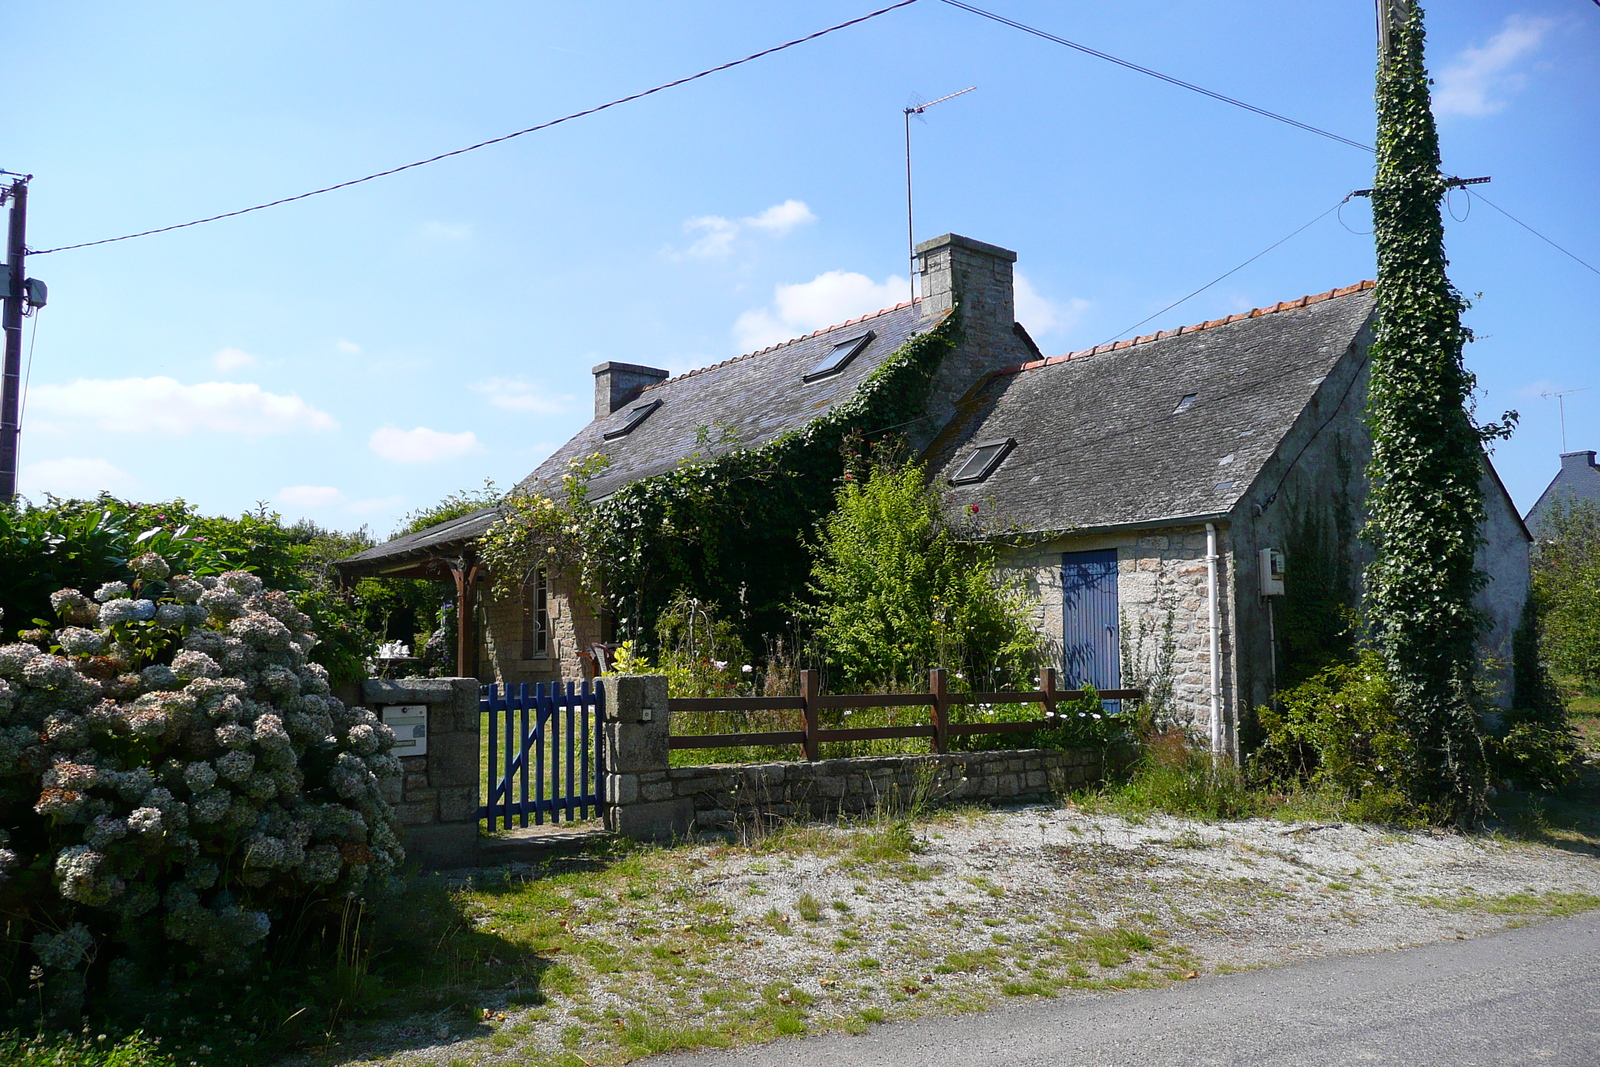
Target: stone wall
{"x":645,"y":798}
{"x":1161,"y":576}
{"x":436,"y":798}
{"x":574,"y":626}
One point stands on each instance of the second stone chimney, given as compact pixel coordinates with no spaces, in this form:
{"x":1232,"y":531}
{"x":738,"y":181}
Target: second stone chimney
{"x":976,"y":275}
{"x":617,"y":384}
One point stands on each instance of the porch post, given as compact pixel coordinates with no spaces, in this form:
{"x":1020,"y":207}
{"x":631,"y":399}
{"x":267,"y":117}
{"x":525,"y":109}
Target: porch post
{"x":465,"y":574}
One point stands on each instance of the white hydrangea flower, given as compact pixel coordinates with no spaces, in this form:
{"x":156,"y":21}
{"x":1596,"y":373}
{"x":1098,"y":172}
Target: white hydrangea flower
{"x":222,"y":603}
{"x":185,"y":589}
{"x":65,"y":950}
{"x":79,"y":641}
{"x":270,"y":734}
{"x":81,"y":874}
{"x":159,"y":676}
{"x":16,"y":656}
{"x":112,"y":591}
{"x":73,"y":607}
{"x":145,"y":820}
{"x":364,"y":739}
{"x":242,"y":582}
{"x":236,"y":766}
{"x":199,"y":776}
{"x":48,"y":672}
{"x":150,"y":567}
{"x":232,"y":735}
{"x":261,"y":630}
{"x":123,"y":610}
{"x":104,"y":830}
{"x":211,"y":805}
{"x":172,"y":616}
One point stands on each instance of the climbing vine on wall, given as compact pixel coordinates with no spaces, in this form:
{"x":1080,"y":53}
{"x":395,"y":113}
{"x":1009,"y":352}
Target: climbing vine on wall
{"x":730,"y":529}
{"x":1425,"y":508}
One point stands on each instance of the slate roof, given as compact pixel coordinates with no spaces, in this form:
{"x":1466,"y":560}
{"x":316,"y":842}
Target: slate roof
{"x":749,"y":400}
{"x":1577,"y":480}
{"x":1098,"y":443}
{"x":434,"y":541}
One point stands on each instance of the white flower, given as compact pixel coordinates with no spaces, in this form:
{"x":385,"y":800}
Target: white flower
{"x":237,"y":765}
{"x":149,"y":566}
{"x":124,"y":610}
{"x":145,"y":820}
{"x":189,"y":665}
{"x":185,"y":589}
{"x":747,"y":668}
{"x":14,"y":657}
{"x":112,"y":591}
{"x":171,"y":616}
{"x":64,"y":950}
{"x":78,"y":641}
{"x":72,"y":606}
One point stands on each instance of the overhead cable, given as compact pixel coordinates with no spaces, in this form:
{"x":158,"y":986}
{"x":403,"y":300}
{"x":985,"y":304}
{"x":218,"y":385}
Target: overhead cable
{"x":493,"y":140}
{"x":1535,"y":232}
{"x":1235,"y":270}
{"x":1169,"y":79}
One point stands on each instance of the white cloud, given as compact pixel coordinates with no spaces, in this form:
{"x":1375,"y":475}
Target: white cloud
{"x":421,"y":445}
{"x":779,"y":219}
{"x":1478,"y":82}
{"x":829,"y":298}
{"x":164,"y":405}
{"x":232,"y":359}
{"x":519,"y":394}
{"x":347,"y":346}
{"x":439,"y":231}
{"x":719,"y":233}
{"x":1039,"y":314}
{"x":72,"y":477}
{"x":309,"y":496}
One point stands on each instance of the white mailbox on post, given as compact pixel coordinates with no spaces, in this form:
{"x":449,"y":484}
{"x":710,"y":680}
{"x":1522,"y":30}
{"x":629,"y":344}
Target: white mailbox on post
{"x":410,"y":725}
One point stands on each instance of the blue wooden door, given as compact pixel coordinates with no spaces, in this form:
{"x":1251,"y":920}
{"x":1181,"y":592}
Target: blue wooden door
{"x":1089,"y":628}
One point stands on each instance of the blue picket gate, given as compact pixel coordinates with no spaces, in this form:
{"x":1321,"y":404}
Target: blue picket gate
{"x":546,"y":752}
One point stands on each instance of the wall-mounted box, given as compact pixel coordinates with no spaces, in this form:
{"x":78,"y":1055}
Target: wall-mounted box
{"x":410,"y":725}
{"x":1272,"y":572}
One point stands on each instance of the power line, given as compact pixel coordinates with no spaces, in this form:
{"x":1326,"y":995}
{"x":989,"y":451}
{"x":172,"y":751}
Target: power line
{"x":1169,"y":79}
{"x":1533,"y":231}
{"x":1235,"y":270}
{"x":493,"y":140}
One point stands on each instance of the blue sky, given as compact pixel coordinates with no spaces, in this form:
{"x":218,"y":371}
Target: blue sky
{"x":363,"y":353}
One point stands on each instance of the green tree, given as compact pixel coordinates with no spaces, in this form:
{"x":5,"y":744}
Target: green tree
{"x":895,"y":592}
{"x":1566,"y":586}
{"x":1425,"y":507}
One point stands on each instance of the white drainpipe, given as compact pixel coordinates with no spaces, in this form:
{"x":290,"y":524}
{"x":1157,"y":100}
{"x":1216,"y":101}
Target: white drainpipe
{"x":1217,"y":738}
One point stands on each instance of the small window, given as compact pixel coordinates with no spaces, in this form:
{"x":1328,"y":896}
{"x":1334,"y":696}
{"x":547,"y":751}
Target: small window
{"x":1183,"y":405}
{"x":635,"y":417}
{"x":536,"y":617}
{"x":981,"y":463}
{"x":841,"y":354}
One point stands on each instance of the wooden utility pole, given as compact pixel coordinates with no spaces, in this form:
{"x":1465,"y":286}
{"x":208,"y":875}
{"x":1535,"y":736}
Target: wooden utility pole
{"x":1391,"y":14}
{"x":13,"y":291}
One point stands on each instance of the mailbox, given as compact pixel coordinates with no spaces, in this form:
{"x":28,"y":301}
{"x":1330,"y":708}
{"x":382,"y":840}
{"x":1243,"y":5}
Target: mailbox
{"x":410,"y":725}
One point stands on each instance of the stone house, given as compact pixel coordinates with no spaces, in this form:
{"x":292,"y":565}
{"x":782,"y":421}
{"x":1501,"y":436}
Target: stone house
{"x":1186,"y":506}
{"x":1578,"y":480}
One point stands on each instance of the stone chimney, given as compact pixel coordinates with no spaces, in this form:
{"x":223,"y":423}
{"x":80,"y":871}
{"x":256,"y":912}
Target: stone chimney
{"x":958,"y":271}
{"x":617,"y":384}
{"x":1580,"y":461}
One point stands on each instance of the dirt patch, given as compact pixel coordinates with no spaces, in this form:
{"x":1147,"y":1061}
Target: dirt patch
{"x":838,"y":928}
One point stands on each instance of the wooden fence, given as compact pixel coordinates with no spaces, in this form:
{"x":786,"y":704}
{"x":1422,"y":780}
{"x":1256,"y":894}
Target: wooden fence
{"x":939,"y":699}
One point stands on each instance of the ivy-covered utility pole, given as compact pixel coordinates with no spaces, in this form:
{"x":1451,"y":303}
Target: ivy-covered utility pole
{"x":1425,"y":506}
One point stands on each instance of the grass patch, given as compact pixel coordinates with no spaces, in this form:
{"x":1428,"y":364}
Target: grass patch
{"x":85,"y":1050}
{"x":1552,"y":904}
{"x":809,"y":907}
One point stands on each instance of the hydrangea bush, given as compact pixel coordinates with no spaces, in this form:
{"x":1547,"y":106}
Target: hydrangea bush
{"x":174,"y":773}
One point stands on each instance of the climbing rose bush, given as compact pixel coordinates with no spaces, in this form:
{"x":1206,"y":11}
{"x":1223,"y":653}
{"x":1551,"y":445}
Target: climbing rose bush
{"x":174,"y":772}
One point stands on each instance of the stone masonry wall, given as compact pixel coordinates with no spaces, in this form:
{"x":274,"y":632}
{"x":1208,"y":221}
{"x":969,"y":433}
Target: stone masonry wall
{"x":648,"y":799}
{"x":436,"y":796}
{"x":1160,"y":575}
{"x":574,"y":626}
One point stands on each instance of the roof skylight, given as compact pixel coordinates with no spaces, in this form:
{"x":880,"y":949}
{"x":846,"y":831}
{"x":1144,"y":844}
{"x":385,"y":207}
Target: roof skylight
{"x":635,"y":417}
{"x":834,"y":361}
{"x":1183,"y":405}
{"x":985,"y":457}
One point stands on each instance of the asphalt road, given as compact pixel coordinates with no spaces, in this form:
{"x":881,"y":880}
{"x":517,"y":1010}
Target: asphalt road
{"x":1525,"y":996}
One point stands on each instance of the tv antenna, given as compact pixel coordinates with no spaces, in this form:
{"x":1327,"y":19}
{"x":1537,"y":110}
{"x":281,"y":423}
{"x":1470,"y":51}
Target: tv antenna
{"x":1561,"y":398}
{"x":917,"y":108}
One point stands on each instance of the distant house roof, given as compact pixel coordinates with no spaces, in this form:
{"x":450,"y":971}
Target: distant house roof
{"x":1577,"y":480}
{"x":743,"y":402}
{"x":1170,"y":426}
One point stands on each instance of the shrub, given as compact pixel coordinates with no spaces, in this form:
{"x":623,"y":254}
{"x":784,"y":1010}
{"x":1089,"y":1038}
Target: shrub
{"x":895,"y":592}
{"x":173,"y":776}
{"x":1337,"y":729}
